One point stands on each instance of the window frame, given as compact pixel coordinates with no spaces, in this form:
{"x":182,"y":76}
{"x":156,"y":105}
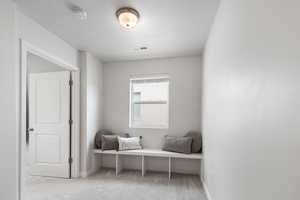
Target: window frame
{"x":131,"y":103}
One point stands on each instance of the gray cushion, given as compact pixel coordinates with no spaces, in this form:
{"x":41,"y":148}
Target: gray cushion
{"x":197,"y":141}
{"x":98,"y":137}
{"x":125,"y":135}
{"x":109,"y":142}
{"x":178,"y":144}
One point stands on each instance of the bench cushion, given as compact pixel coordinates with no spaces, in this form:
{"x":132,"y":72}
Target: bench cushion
{"x":109,"y":142}
{"x":98,"y":137}
{"x":197,"y":141}
{"x":178,"y":144}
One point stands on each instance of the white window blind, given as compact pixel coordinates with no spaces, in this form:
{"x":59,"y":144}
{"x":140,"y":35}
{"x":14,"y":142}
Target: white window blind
{"x":149,"y":103}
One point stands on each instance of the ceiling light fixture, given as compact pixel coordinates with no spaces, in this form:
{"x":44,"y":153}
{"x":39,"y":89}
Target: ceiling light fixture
{"x":128,"y":17}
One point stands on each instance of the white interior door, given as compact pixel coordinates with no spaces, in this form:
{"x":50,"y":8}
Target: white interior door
{"x":49,"y":114}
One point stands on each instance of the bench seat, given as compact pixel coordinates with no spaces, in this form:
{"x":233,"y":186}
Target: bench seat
{"x":151,"y":152}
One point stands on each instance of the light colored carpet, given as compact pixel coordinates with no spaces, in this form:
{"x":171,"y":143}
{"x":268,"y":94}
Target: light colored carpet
{"x":130,"y":185}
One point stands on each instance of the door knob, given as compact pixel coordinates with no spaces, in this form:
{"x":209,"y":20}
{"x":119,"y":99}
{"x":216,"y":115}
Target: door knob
{"x":30,"y":130}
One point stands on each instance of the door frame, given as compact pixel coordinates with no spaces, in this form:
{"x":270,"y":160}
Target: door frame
{"x":25,"y":49}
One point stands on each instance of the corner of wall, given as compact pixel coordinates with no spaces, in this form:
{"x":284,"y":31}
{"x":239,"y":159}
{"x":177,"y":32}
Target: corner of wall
{"x":205,"y":187}
{"x":91,"y":110}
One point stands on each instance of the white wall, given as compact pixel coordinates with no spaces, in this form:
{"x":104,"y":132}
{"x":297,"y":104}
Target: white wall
{"x":91,"y":110}
{"x":185,"y":99}
{"x":8,"y":103}
{"x":36,"y":64}
{"x":251,"y":101}
{"x":38,"y":36}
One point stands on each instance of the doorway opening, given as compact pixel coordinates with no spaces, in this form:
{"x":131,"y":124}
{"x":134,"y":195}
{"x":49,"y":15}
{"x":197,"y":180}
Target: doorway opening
{"x":49,"y":120}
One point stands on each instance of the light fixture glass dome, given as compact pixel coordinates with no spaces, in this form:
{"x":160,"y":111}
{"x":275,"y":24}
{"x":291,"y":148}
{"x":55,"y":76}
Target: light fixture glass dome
{"x":128,"y":17}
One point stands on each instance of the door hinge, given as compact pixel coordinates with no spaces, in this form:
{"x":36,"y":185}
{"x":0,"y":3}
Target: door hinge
{"x":70,"y":160}
{"x":70,"y":121}
{"x":71,"y":82}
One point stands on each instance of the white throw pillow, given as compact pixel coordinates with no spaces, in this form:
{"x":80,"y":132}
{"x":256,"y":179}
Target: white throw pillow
{"x":131,"y":143}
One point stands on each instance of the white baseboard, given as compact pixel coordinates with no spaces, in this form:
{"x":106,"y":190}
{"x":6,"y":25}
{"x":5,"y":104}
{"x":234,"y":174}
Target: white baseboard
{"x":208,"y":196}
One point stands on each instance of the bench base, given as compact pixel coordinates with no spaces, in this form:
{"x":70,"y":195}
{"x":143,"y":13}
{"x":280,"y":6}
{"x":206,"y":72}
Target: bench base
{"x":144,"y":153}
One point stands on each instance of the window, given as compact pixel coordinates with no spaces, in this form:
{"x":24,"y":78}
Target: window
{"x":149,"y":103}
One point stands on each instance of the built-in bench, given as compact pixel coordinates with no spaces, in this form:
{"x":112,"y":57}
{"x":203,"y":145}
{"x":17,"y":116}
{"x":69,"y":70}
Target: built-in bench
{"x":143,"y":153}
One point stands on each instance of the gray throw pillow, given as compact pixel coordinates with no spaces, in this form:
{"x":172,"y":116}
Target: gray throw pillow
{"x":98,"y":137}
{"x":197,"y":141}
{"x":109,"y":142}
{"x":177,"y":144}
